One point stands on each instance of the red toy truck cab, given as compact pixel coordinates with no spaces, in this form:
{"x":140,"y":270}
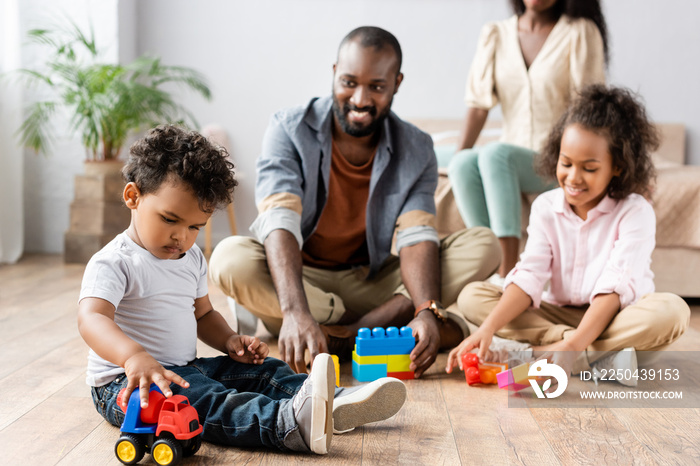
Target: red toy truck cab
{"x":178,"y":418}
{"x":168,"y":429}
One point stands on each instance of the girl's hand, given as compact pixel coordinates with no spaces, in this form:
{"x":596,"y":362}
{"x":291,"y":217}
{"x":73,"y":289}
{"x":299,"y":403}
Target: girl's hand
{"x":247,"y":349}
{"x":480,"y":339}
{"x":561,"y":353}
{"x":141,"y":371}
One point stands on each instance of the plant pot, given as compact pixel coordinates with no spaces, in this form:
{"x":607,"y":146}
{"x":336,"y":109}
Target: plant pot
{"x":97,"y":213}
{"x":103,"y":167}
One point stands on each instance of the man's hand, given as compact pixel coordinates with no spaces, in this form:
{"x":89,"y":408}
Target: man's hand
{"x":427,"y":333}
{"x":142,"y":370}
{"x":247,"y":349}
{"x":300,"y":332}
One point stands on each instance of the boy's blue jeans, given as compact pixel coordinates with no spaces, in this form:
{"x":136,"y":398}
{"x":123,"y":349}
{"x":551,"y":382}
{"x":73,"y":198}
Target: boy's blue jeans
{"x":243,"y":405}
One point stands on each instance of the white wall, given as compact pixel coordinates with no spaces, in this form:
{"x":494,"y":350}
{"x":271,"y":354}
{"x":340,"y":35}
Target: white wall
{"x":11,"y":156}
{"x":48,"y":180}
{"x":267,"y":54}
{"x":655,"y":52}
{"x":262,"y":55}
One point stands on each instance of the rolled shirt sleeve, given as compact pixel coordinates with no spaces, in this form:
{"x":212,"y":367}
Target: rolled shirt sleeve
{"x":417,"y":221}
{"x":533,"y":270}
{"x":278,"y":190}
{"x":277,"y":218}
{"x":627,"y":268}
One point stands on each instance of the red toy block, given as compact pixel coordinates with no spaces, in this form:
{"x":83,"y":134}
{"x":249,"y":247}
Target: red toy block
{"x":407,"y":375}
{"x":470,"y":360}
{"x":476,"y":372}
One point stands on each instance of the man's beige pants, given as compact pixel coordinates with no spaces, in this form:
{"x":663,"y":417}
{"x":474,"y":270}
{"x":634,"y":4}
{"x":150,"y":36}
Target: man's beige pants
{"x":650,"y":324}
{"x":239,"y":267}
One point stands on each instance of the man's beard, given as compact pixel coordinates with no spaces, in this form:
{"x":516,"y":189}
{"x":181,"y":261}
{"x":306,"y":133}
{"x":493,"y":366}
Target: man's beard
{"x":359,"y":131}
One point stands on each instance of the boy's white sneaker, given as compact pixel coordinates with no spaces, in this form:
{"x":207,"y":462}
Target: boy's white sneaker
{"x":313,"y":405}
{"x":623,"y":362}
{"x":371,"y":402}
{"x":509,"y":351}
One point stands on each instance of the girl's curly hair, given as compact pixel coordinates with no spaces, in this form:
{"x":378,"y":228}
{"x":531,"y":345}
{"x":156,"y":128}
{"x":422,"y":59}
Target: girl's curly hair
{"x":618,"y":115}
{"x":169,"y":150}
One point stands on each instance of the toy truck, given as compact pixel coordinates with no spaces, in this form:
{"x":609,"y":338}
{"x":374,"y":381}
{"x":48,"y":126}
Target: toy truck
{"x":168,"y":429}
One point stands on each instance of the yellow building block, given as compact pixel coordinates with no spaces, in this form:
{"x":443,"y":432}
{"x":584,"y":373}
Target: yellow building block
{"x":369,"y":359}
{"x":398,"y":363}
{"x":520,"y":374}
{"x":336,"y":364}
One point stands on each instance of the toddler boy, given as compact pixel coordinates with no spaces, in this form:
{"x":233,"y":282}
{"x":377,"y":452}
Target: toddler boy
{"x":144,"y":302}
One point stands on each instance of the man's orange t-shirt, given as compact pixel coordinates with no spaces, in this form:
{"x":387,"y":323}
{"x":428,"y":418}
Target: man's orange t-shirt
{"x":340,"y":238}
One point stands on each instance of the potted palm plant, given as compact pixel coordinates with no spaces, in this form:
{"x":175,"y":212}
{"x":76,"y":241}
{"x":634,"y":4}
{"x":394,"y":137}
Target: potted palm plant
{"x":107,"y":103}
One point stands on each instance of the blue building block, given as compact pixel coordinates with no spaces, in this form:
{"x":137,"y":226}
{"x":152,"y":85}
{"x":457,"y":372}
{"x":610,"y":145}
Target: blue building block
{"x":368,"y":372}
{"x":378,"y":342}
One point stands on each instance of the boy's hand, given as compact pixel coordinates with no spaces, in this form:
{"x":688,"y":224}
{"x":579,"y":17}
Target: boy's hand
{"x":142,"y":370}
{"x":480,"y":339}
{"x":247,"y":349}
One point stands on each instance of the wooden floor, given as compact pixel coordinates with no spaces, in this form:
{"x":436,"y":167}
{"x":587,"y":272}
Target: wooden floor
{"x":47,"y":416}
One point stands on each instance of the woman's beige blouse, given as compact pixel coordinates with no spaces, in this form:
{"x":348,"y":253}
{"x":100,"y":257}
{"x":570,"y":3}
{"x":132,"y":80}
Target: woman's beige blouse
{"x":533,"y":99}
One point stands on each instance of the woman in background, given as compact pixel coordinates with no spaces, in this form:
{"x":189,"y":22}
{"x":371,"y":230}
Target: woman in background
{"x":533,"y":64}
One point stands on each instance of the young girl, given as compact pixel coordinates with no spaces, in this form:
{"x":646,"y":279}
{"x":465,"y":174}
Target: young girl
{"x":592,"y":239}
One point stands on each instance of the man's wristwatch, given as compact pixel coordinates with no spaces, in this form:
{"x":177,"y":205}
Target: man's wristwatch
{"x":433,"y":306}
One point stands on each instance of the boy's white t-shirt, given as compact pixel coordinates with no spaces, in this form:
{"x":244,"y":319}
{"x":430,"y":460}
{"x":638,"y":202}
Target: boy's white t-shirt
{"x":153,"y":300}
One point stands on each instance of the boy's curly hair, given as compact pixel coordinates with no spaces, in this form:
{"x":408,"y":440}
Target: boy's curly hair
{"x":169,"y":150}
{"x":618,"y":115}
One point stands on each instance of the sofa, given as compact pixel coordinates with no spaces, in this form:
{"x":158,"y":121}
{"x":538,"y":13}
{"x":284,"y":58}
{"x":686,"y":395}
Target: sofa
{"x":676,"y":200}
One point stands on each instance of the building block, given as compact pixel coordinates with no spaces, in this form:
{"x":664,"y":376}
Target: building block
{"x":398,"y":363}
{"x":481,"y":372}
{"x":394,"y":364}
{"x":514,"y":379}
{"x":368,"y":372}
{"x":484,"y":373}
{"x":404,"y":375}
{"x":505,"y":379}
{"x":382,"y":359}
{"x":379,"y":353}
{"x":336,"y":364}
{"x":520,"y":374}
{"x":379,"y":342}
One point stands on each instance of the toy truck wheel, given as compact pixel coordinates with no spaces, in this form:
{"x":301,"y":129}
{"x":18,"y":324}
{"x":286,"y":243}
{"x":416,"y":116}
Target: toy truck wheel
{"x":128,"y":449}
{"x":166,"y":452}
{"x":192,"y":446}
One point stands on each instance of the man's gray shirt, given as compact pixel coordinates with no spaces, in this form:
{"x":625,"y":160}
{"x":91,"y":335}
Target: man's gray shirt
{"x":294,"y":169}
